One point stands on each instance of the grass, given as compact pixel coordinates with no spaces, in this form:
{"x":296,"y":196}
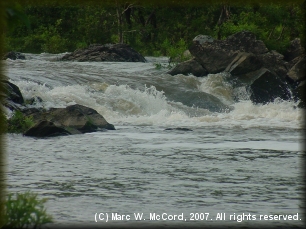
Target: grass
{"x":19,"y":123}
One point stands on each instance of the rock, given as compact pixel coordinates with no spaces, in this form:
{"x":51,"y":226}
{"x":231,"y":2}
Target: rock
{"x":108,"y":52}
{"x":14,"y":56}
{"x":236,"y":52}
{"x":211,"y":56}
{"x":298,"y":71}
{"x":13,"y":93}
{"x":294,"y":50}
{"x":267,"y":87}
{"x":46,"y":129}
{"x":200,"y":39}
{"x":300,"y":94}
{"x":75,"y":118}
{"x":274,"y":61}
{"x":14,"y":99}
{"x":179,"y":128}
{"x":244,"y":41}
{"x":188,"y":67}
{"x":244,"y":63}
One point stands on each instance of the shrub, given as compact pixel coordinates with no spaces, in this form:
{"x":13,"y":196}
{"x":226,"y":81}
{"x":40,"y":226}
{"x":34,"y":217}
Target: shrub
{"x":25,"y":210}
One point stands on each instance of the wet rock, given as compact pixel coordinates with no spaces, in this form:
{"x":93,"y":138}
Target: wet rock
{"x":108,"y":52}
{"x":300,"y":94}
{"x":75,"y":118}
{"x":13,"y":93}
{"x":46,"y":129}
{"x":267,"y":87}
{"x":189,"y":67}
{"x":14,"y":56}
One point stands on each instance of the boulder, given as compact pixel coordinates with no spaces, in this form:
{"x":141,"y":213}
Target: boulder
{"x":14,"y":99}
{"x":244,"y":63}
{"x":13,"y":93}
{"x":75,"y":118}
{"x":211,"y":56}
{"x":297,"y":72}
{"x":46,"y":129}
{"x":217,"y":55}
{"x":14,"y":56}
{"x":108,"y":52}
{"x":188,"y":67}
{"x":267,"y":87}
{"x":294,"y":50}
{"x":275,"y":62}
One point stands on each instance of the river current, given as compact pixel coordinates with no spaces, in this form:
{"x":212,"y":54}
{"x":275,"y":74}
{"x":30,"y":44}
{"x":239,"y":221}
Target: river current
{"x":236,"y":163}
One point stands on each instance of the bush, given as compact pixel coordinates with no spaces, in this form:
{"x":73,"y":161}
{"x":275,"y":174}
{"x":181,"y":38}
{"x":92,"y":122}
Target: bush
{"x":24,"y":210}
{"x":19,"y":123}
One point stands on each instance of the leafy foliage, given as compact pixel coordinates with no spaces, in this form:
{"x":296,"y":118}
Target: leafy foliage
{"x":19,"y":123}
{"x":153,"y":30}
{"x":23,"y":210}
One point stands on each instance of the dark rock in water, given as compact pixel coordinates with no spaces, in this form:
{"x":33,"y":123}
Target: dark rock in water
{"x":108,"y":52}
{"x":46,"y":129}
{"x":14,"y":99}
{"x":267,"y":87}
{"x":34,"y":100}
{"x":189,"y":67}
{"x":14,"y":56}
{"x":179,"y":128}
{"x":298,"y":71}
{"x":299,"y":94}
{"x":294,"y":50}
{"x":74,"y":119}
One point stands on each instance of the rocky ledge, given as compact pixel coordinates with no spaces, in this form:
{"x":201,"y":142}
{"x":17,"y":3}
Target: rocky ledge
{"x":107,"y":52}
{"x":267,"y":74}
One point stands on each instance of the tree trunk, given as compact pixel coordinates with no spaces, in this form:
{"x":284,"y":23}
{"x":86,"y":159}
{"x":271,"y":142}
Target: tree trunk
{"x":119,"y":20}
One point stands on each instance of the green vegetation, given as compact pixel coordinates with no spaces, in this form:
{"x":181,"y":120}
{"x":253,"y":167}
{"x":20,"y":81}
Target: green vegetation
{"x":24,"y":210}
{"x":152,"y":29}
{"x":19,"y":123}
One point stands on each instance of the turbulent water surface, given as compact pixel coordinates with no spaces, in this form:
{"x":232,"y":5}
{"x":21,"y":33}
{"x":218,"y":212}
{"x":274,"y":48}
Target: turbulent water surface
{"x":235,"y":157}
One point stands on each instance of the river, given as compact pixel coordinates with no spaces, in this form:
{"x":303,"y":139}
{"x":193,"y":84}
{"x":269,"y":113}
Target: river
{"x":235,"y":163}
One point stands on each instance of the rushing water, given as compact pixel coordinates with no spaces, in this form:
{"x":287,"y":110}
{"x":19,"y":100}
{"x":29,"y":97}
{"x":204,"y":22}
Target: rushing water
{"x":237,"y":158}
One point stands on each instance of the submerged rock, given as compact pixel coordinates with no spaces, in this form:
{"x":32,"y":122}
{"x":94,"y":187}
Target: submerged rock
{"x":108,"y":52}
